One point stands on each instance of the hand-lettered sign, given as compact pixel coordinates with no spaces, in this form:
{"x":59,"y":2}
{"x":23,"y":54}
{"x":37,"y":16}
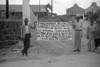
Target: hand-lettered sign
{"x":54,"y":31}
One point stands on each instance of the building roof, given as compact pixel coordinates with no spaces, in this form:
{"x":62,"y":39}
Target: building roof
{"x":93,"y":7}
{"x":18,"y":8}
{"x":75,"y":10}
{"x":65,"y":17}
{"x":57,"y":18}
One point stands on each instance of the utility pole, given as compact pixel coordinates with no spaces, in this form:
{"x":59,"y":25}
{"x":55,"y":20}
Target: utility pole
{"x":39,"y":11}
{"x":7,"y":8}
{"x":52,"y":7}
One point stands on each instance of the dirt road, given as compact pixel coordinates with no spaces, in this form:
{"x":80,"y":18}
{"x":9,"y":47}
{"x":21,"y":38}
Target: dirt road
{"x":76,"y":60}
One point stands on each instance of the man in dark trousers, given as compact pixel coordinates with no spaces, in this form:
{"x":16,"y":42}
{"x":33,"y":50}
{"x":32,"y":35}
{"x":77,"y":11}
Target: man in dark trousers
{"x":26,"y":34}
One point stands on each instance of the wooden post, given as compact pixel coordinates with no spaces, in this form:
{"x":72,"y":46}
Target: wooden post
{"x":7,"y":8}
{"x":39,"y":11}
{"x":52,"y":7}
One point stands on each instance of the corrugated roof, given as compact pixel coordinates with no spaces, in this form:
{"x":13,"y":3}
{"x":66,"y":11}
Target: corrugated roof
{"x":65,"y":17}
{"x":57,"y":18}
{"x":75,"y":10}
{"x":35,"y":8}
{"x":18,"y":8}
{"x":92,"y":8}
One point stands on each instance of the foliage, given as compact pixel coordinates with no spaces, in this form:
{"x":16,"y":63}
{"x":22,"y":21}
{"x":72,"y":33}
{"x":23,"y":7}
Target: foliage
{"x":93,"y":16}
{"x":10,"y":30}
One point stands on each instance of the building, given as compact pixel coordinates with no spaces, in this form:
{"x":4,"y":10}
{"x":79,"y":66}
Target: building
{"x":92,"y":8}
{"x":75,"y":10}
{"x":15,"y":11}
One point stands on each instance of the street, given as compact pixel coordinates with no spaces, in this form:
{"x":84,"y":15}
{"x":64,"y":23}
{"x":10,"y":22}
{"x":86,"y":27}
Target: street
{"x":85,"y":59}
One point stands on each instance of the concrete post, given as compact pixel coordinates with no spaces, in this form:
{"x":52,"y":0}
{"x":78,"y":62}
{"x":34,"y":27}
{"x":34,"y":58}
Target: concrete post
{"x":27,"y":13}
{"x":26,"y":10}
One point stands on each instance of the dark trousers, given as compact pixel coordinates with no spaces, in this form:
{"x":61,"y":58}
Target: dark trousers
{"x":97,"y":43}
{"x":26,"y":44}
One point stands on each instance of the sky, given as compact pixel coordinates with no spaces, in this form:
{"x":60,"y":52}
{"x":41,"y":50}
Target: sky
{"x":59,"y":6}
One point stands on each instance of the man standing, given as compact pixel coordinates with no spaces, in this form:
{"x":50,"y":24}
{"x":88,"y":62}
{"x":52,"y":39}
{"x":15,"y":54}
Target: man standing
{"x":90,"y":36}
{"x":78,"y":34}
{"x":26,"y":34}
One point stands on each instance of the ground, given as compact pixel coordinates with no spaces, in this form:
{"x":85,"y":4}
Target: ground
{"x":83,"y":59}
{"x":51,"y":54}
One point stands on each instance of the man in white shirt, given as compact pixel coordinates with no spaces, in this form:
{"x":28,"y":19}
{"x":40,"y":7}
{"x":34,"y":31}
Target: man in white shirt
{"x":26,"y":34}
{"x":78,"y":34}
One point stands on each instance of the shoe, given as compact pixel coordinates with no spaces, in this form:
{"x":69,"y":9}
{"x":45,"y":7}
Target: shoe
{"x":22,"y":53}
{"x":93,"y":50}
{"x":74,"y":50}
{"x":26,"y":54}
{"x":89,"y":50}
{"x":78,"y":50}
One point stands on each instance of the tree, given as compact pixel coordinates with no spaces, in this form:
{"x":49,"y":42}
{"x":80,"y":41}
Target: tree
{"x":93,"y":16}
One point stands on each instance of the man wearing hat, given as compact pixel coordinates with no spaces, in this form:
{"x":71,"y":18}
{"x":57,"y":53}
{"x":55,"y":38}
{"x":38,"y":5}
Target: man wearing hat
{"x":26,"y":34}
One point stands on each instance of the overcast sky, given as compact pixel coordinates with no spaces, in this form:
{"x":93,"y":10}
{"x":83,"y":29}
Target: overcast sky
{"x":59,"y":6}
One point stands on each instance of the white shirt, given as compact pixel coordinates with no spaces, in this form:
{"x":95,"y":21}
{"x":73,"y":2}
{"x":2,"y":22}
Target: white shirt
{"x":91,"y":28}
{"x":26,"y":29}
{"x":78,"y":26}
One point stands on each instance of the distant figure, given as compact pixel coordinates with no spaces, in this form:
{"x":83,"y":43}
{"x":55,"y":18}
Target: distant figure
{"x":78,"y":34}
{"x":26,"y":34}
{"x":90,"y":36}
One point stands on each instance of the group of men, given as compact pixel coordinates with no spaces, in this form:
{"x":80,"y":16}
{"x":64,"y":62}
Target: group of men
{"x":77,"y":26}
{"x":92,"y":30}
